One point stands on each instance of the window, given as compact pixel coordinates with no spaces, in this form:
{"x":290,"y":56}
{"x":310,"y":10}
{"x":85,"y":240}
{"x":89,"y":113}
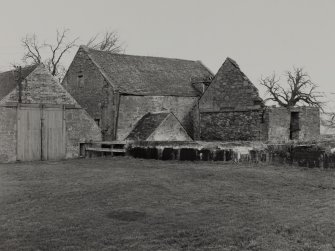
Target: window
{"x":80,"y":79}
{"x":97,"y":121}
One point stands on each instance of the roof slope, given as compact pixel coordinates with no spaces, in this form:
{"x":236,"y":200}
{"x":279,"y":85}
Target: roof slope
{"x":8,"y":79}
{"x":231,"y":89}
{"x":40,"y":87}
{"x":147,"y":125}
{"x":142,"y":75}
{"x":231,"y":73}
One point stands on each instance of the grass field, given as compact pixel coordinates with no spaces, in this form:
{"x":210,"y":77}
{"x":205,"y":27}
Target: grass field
{"x":133,"y":204}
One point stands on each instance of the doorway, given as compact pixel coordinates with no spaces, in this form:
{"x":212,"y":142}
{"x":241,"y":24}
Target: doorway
{"x":40,"y":133}
{"x":294,"y":126}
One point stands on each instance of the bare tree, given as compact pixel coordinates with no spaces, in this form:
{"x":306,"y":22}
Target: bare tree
{"x":328,"y":120}
{"x":110,"y":41}
{"x":52,"y":54}
{"x":299,"y":89}
{"x":32,"y":49}
{"x":57,"y":50}
{"x":54,"y":51}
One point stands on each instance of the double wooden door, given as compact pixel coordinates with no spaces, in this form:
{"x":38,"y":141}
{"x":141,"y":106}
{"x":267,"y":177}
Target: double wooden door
{"x":40,"y":133}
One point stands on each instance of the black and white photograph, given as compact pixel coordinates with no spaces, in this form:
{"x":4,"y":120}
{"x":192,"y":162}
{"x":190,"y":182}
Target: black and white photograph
{"x":167,"y":125}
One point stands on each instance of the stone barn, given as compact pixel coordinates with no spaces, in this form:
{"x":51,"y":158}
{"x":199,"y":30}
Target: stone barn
{"x":231,"y":110}
{"x":47,"y":123}
{"x":232,"y":104}
{"x":117,"y":90}
{"x":120,"y":91}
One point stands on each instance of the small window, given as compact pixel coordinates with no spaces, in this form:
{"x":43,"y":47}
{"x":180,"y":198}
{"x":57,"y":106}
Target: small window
{"x":97,"y":121}
{"x":80,"y":79}
{"x":262,"y":118}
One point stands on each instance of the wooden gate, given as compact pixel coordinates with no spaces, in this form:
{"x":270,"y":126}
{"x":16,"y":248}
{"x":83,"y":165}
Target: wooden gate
{"x":40,"y":133}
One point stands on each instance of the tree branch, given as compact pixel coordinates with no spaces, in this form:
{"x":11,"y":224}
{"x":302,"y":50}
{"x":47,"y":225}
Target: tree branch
{"x":109,"y":42}
{"x":301,"y":90}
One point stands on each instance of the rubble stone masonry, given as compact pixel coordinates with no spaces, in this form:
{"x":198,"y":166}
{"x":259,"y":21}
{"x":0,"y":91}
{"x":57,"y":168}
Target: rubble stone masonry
{"x":8,"y":119}
{"x":87,"y":85}
{"x":231,"y":126}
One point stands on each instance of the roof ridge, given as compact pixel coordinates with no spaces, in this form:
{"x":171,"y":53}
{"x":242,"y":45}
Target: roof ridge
{"x":203,"y":65}
{"x":233,"y":62}
{"x":23,"y":67}
{"x":130,"y":55}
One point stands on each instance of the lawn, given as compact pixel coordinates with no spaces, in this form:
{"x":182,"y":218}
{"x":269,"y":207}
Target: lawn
{"x":133,"y":204}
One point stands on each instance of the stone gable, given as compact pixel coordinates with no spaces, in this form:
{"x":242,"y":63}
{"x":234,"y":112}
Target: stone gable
{"x":230,"y":90}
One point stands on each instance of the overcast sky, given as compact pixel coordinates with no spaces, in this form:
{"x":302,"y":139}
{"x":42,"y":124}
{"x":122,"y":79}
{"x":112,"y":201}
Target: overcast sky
{"x":263,"y":36}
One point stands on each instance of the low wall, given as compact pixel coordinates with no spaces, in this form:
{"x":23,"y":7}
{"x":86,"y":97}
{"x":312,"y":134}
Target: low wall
{"x":206,"y":151}
{"x":307,"y":155}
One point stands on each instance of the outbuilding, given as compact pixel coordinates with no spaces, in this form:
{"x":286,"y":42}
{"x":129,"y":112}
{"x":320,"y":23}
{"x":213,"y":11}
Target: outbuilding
{"x":39,"y":119}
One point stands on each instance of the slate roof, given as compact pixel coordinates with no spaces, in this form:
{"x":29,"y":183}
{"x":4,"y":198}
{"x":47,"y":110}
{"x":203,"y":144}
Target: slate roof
{"x":143,"y":75}
{"x":8,"y":79}
{"x":147,"y":125}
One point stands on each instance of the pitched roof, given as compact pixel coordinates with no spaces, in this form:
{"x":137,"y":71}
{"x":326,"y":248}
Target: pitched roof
{"x":8,"y":79}
{"x":231,"y":74}
{"x":40,"y":87}
{"x":147,"y":125}
{"x":143,"y":75}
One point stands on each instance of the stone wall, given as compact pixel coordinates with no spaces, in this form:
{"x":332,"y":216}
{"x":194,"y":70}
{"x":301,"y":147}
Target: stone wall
{"x":231,"y":109}
{"x":133,"y":108}
{"x":87,"y":85}
{"x":231,"y":125}
{"x":310,"y":123}
{"x":80,"y":127}
{"x":8,"y":120}
{"x":279,"y":120}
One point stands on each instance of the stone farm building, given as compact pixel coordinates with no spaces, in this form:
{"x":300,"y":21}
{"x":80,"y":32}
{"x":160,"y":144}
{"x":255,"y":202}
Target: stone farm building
{"x":117,"y":90}
{"x":231,"y":109}
{"x":123,"y":92}
{"x":47,"y":124}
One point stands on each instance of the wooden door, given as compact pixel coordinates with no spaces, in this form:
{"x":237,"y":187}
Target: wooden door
{"x":53,"y":134}
{"x":29,"y":133}
{"x":40,"y":133}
